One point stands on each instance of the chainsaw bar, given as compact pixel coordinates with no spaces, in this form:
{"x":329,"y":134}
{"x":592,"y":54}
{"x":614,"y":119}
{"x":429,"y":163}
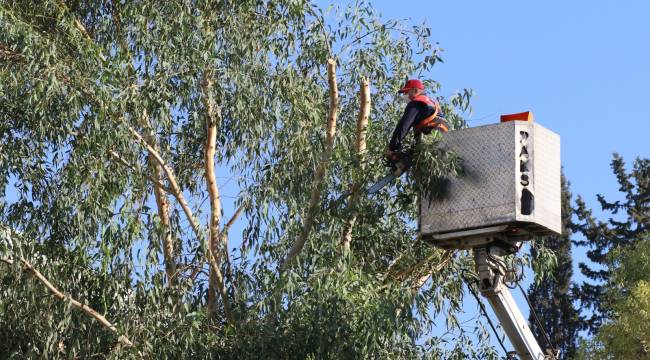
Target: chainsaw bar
{"x":397,"y":169}
{"x":381,"y":183}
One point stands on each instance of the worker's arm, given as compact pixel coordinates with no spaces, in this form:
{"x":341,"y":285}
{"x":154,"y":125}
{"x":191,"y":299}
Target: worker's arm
{"x":403,"y":126}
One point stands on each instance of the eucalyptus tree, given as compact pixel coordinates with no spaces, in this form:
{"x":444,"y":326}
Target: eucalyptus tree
{"x":115,"y":120}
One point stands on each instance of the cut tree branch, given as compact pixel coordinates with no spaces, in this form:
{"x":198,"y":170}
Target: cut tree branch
{"x":27,"y":267}
{"x":308,"y":219}
{"x":224,"y":235}
{"x":404,"y":274}
{"x":359,"y":149}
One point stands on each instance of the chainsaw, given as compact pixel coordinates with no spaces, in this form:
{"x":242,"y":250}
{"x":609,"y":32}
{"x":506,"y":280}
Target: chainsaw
{"x":399,"y":163}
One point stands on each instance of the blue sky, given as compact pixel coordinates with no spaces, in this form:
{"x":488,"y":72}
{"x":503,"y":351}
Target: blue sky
{"x":580,"y":66}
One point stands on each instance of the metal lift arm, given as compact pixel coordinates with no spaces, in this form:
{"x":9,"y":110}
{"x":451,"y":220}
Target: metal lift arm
{"x":491,"y":271}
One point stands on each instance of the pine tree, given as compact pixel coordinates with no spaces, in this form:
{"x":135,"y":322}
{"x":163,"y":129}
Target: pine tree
{"x":551,"y":295}
{"x":629,"y":221}
{"x":625,"y":334}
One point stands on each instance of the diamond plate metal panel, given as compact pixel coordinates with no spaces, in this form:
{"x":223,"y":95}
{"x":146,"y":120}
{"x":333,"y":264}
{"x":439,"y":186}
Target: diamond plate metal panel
{"x":484,"y":195}
{"x":490,"y":192}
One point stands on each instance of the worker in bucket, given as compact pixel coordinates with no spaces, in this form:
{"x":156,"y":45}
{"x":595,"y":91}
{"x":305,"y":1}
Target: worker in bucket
{"x":421,"y":113}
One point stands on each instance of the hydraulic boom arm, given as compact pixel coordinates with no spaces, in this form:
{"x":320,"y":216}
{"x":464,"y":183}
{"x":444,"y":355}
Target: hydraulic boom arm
{"x":491,"y":270}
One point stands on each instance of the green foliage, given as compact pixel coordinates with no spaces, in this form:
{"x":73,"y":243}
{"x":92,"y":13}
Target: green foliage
{"x":552,"y":292}
{"x":626,"y":334}
{"x":432,"y":165}
{"x":72,"y":77}
{"x":630,"y":221}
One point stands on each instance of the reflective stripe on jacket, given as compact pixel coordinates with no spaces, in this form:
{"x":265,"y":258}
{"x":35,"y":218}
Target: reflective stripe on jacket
{"x":417,"y":115}
{"x":432,"y":121}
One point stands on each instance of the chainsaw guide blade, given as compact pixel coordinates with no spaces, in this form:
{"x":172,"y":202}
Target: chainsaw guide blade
{"x":380,"y":184}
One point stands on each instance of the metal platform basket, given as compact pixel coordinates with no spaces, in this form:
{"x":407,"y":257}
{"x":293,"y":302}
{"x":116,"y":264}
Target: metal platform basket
{"x":510,"y":190}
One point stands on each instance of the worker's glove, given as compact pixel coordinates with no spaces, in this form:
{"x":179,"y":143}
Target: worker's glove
{"x":391,"y":157}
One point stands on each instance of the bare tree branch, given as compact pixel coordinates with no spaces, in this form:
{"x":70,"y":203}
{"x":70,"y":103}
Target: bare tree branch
{"x":178,"y":194}
{"x":162,"y":203}
{"x":421,"y":280}
{"x":232,"y":220}
{"x":27,"y":267}
{"x":308,"y":219}
{"x":175,"y":189}
{"x":216,"y":239}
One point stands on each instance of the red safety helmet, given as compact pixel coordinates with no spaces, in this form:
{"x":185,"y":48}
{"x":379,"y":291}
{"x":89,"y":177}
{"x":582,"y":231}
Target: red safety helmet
{"x":411,"y":84}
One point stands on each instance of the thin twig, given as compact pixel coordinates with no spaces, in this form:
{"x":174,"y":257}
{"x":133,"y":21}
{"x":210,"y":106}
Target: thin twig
{"x":376,"y":29}
{"x":80,"y":27}
{"x":326,"y":36}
